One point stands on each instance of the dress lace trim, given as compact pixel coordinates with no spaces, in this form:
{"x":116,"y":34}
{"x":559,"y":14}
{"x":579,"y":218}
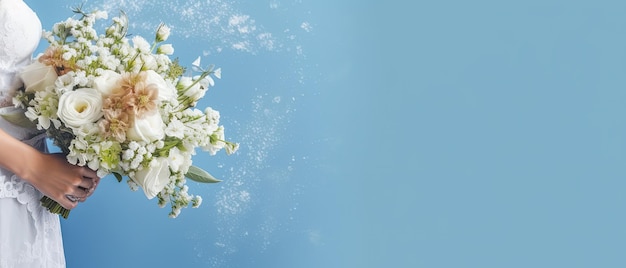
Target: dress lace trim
{"x":45,"y":250}
{"x":26,"y":194}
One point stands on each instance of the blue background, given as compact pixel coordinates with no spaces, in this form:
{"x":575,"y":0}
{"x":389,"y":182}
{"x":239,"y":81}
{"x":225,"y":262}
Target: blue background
{"x":386,"y":134}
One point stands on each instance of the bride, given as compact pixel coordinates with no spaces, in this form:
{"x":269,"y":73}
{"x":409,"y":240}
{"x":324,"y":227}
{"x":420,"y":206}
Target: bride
{"x":30,"y":236}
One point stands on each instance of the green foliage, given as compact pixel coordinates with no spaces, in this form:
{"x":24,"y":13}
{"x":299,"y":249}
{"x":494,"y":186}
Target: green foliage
{"x":200,"y":175}
{"x":175,"y":70}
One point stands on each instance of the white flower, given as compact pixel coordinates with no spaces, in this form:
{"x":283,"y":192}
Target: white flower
{"x":102,"y":172}
{"x":196,"y":63}
{"x":166,"y":49}
{"x":128,"y":154}
{"x":163,"y":62}
{"x":87,"y":130}
{"x":195,"y":92}
{"x":212,"y":115}
{"x":175,"y":128}
{"x":150,"y":147}
{"x":136,"y":162}
{"x":193,"y":113}
{"x":162,"y":33}
{"x":80,"y":78}
{"x":218,"y":73}
{"x":159,"y":144}
{"x":176,"y":159}
{"x":94,"y":164}
{"x":80,"y":107}
{"x":141,"y":44}
{"x":231,"y":148}
{"x":207,"y":81}
{"x":106,"y":82}
{"x":101,"y":15}
{"x":133,"y":145}
{"x":166,"y":91}
{"x":148,"y":62}
{"x":64,"y":83}
{"x":142,"y":150}
{"x":68,"y":55}
{"x":184,"y":82}
{"x":133,"y":185}
{"x":37,"y":76}
{"x":154,"y":177}
{"x":149,"y":128}
{"x":196,"y":201}
{"x":216,"y":143}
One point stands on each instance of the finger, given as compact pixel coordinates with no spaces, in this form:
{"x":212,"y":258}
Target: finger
{"x":86,"y":183}
{"x":89,"y":173}
{"x":86,"y":190}
{"x":68,"y":202}
{"x":78,"y":193}
{"x":91,"y":190}
{"x":67,"y":205}
{"x":72,"y":198}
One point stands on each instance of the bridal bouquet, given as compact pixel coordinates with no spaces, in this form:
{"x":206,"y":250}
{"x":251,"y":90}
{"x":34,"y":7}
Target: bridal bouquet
{"x":122,"y":106}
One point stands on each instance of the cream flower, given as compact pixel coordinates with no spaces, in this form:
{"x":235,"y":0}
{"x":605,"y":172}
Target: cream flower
{"x":149,"y":128}
{"x":37,"y":76}
{"x":115,"y":124}
{"x":143,"y":99}
{"x":166,"y":91}
{"x":107,"y":82}
{"x":153,"y":178}
{"x":176,"y":129}
{"x":80,"y":107}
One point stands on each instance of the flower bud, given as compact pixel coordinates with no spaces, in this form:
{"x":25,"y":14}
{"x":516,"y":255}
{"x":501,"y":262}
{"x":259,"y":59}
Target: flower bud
{"x":166,"y":49}
{"x":163,"y":32}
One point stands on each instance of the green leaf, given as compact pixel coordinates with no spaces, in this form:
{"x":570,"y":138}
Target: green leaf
{"x":117,"y":176}
{"x":17,"y":117}
{"x":199,"y":175}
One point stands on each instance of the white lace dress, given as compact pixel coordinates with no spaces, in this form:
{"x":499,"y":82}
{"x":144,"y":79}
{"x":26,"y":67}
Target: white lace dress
{"x":30,"y":236}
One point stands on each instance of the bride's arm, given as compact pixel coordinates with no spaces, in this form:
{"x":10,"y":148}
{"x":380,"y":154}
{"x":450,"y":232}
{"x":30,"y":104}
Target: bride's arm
{"x":49,"y":173}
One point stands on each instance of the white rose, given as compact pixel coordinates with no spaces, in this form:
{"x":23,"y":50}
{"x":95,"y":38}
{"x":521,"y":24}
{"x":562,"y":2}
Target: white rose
{"x":80,"y":107}
{"x":149,"y":128}
{"x":154,"y":178}
{"x":106,"y":82}
{"x":37,"y":76}
{"x":166,"y":91}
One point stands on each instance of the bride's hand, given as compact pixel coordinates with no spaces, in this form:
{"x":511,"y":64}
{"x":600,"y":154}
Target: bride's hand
{"x":63,"y":182}
{"x":51,"y":174}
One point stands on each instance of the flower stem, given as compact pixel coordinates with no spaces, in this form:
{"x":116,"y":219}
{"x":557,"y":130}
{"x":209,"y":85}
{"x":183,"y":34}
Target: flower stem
{"x":54,"y":207}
